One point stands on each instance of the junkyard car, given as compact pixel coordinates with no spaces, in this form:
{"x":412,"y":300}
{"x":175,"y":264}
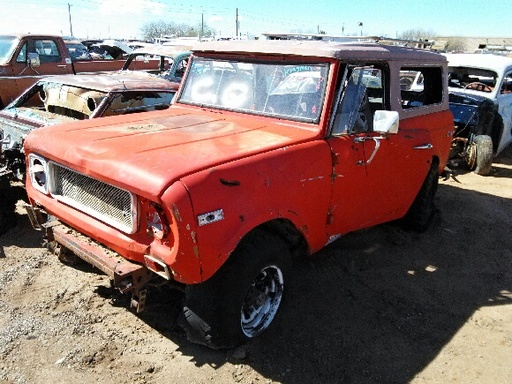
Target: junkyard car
{"x":65,"y":98}
{"x":167,"y":62}
{"x":271,"y":150}
{"x":108,"y":49}
{"x":77,"y":51}
{"x":481,"y":101}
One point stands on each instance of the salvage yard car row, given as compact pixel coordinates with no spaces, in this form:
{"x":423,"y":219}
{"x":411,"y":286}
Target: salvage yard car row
{"x":64,"y":98}
{"x":270,"y":151}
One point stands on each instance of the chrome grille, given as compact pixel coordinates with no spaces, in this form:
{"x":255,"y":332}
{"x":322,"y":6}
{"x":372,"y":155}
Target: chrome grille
{"x":105,"y":202}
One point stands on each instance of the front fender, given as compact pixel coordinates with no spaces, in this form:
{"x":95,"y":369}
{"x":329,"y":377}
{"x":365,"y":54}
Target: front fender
{"x":292,"y":183}
{"x":180,"y":250}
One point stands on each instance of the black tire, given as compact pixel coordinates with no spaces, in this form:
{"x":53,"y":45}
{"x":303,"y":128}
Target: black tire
{"x":480,"y":155}
{"x":217,"y":313}
{"x":7,"y":213}
{"x":422,"y":210}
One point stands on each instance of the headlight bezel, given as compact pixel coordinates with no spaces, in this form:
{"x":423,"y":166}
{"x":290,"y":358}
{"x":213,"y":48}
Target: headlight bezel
{"x":39,"y":173}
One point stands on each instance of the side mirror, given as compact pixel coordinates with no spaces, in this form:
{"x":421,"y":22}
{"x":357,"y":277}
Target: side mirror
{"x":385,"y":122}
{"x":33,"y":60}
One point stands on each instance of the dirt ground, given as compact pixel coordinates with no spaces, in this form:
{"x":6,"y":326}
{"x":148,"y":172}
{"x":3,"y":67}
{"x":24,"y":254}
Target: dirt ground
{"x":383,"y":305}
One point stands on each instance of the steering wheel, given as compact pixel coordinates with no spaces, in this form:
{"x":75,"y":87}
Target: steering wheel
{"x":477,"y":86}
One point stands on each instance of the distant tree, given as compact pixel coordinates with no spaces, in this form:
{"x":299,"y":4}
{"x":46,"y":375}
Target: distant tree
{"x":153,"y":30}
{"x":417,"y":34}
{"x":457,"y":44}
{"x":201,"y":29}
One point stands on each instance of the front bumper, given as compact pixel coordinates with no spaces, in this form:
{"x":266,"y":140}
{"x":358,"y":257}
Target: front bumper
{"x":126,"y":275}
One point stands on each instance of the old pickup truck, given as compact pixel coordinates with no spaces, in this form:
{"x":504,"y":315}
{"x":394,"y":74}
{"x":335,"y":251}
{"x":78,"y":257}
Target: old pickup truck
{"x":270,"y":151}
{"x":24,"y":59}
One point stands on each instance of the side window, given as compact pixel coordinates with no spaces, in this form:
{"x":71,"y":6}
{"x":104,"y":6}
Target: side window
{"x":421,"y":86}
{"x":506,"y":86}
{"x":22,"y":56}
{"x":361,"y":95}
{"x":47,"y":50}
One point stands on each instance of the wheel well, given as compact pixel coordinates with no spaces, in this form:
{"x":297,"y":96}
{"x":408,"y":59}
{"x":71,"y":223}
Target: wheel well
{"x":286,"y":230}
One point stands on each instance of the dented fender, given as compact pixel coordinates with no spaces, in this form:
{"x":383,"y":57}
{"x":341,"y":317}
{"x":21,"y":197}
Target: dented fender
{"x":291,"y":183}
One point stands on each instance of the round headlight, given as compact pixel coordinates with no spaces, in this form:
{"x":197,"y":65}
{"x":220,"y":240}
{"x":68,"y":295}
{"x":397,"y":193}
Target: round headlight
{"x":38,"y":171}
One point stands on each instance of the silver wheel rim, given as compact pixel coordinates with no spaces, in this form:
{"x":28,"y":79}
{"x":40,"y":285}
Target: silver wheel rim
{"x":262,"y":301}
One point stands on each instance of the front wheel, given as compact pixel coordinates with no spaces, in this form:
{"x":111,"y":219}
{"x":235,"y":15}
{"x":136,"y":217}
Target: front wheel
{"x":7,"y":211}
{"x":242,"y":299}
{"x":480,"y":155}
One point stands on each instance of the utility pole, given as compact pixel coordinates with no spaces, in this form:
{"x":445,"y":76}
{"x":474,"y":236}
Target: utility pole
{"x":202,"y":26}
{"x":70,"y":23}
{"x":236,"y":24}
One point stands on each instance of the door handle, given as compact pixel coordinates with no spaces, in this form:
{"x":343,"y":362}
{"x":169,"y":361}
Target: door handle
{"x":424,"y":146}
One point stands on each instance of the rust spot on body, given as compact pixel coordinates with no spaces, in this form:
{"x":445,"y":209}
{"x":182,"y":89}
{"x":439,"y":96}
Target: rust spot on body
{"x":176,"y":212}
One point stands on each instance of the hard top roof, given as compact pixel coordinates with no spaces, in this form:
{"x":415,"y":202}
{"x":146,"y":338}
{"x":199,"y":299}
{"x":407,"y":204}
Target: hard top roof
{"x":325,"y":49}
{"x":496,"y":63}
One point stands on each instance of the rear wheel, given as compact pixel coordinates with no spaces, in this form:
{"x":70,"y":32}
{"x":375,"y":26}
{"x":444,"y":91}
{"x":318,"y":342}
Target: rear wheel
{"x":480,"y":155}
{"x":422,"y":210}
{"x":242,"y":299}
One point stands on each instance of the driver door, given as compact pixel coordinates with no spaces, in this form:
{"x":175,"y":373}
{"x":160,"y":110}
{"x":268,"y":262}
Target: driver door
{"x":375,"y":174}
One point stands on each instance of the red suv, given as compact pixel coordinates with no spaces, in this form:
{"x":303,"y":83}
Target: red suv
{"x":272,"y":149}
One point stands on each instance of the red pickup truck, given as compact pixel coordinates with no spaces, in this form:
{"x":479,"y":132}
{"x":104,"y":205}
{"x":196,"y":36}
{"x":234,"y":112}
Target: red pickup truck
{"x":24,"y":59}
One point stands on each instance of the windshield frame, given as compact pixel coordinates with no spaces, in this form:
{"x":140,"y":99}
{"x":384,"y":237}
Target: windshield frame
{"x":293,"y":89}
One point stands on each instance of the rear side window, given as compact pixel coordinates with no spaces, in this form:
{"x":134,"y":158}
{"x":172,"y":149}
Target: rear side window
{"x":421,"y":86}
{"x":506,"y":86}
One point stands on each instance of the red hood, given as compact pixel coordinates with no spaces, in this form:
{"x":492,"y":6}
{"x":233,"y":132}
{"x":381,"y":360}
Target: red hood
{"x":146,"y":152}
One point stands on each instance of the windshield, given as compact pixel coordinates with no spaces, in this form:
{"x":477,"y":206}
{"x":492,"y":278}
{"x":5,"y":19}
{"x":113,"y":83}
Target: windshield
{"x":291,"y":91}
{"x":7,"y":46}
{"x":472,"y":78}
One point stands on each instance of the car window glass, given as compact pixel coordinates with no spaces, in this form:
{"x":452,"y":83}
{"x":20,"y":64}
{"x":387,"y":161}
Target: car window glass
{"x":288,"y":90}
{"x":506,"y":86}
{"x":47,"y":50}
{"x":476,"y":79}
{"x":362,"y":95}
{"x":22,"y":56}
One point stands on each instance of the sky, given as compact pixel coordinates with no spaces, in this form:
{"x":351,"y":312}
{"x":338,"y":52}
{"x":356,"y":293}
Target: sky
{"x":123,"y":19}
